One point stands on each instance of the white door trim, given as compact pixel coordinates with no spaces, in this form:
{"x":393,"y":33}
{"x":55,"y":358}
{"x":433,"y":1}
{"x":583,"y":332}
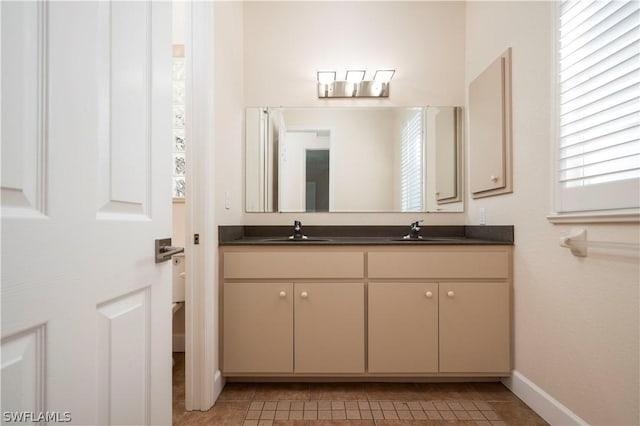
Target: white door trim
{"x":332,"y":154}
{"x":204,"y":380}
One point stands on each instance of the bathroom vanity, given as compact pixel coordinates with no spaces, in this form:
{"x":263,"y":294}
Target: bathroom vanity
{"x":364,"y":302}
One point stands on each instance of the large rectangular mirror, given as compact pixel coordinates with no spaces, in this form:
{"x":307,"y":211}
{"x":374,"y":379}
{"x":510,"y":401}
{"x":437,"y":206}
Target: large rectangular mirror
{"x":357,"y":159}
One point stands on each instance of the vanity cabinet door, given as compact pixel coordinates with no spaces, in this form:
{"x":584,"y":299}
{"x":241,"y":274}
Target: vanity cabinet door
{"x":329,"y":328}
{"x":258,"y":328}
{"x":474,"y":327}
{"x":403,"y":327}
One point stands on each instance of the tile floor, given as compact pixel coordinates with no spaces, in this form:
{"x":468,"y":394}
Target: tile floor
{"x":319,"y":404}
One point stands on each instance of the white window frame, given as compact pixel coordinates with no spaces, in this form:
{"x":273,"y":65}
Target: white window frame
{"x":598,"y":204}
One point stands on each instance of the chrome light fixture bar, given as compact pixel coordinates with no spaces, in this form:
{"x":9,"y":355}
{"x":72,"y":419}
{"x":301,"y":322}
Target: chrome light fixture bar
{"x":354,"y":85}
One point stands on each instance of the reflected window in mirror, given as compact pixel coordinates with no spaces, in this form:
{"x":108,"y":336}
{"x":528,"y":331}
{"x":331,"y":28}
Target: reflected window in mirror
{"x":411,"y":164}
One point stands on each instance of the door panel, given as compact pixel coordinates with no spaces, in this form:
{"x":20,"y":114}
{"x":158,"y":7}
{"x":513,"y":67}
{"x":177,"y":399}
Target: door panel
{"x":474,"y":319}
{"x":23,"y":114}
{"x":487,"y":129}
{"x":123,"y":380}
{"x":447,"y":155}
{"x":403,"y":327}
{"x":258,"y":327}
{"x":23,"y":361}
{"x":124,"y":170}
{"x":329,"y":331}
{"x":87,"y":280}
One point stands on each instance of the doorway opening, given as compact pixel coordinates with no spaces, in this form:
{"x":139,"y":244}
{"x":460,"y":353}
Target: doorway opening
{"x":305,"y":174}
{"x":179,"y":196}
{"x":317,"y":180}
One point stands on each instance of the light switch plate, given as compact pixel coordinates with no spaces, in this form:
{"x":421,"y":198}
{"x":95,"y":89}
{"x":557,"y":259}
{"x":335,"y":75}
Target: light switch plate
{"x":227,"y":200}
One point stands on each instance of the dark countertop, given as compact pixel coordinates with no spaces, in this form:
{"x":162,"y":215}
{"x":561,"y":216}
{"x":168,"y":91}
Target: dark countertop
{"x":366,"y":235}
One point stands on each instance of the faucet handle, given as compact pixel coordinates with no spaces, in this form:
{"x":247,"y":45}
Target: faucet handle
{"x":297,"y":231}
{"x":414,"y":232}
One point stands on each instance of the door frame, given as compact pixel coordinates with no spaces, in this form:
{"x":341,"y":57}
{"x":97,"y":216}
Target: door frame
{"x":303,"y":128}
{"x":203,"y":377}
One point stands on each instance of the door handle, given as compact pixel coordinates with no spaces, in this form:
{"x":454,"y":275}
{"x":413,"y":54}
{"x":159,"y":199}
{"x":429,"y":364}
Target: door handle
{"x":164,"y":250}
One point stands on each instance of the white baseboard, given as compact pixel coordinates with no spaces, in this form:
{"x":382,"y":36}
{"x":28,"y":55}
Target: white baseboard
{"x":547,"y":407}
{"x":218,"y":384}
{"x":178,"y":343}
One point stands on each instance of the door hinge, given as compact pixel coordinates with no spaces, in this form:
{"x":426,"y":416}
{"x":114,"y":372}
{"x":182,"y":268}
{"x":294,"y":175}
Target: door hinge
{"x":196,"y":238}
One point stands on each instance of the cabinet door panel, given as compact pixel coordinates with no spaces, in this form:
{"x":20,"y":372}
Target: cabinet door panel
{"x":258,"y":328}
{"x":486,"y":128}
{"x":490,"y":129}
{"x":474,"y":328}
{"x":329,"y":331}
{"x":403,"y":327}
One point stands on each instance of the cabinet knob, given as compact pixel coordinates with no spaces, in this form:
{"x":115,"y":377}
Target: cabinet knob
{"x":283,"y":294}
{"x":429,"y":294}
{"x":304,"y":294}
{"x":450,"y":293}
{"x":494,"y":178}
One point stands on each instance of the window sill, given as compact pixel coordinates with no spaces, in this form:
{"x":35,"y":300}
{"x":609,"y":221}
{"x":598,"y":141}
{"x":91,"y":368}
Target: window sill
{"x":623,"y":216}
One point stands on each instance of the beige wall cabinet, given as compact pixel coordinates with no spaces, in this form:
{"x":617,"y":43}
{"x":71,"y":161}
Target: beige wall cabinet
{"x":490,"y":129}
{"x":329,"y":328}
{"x":403,"y":327}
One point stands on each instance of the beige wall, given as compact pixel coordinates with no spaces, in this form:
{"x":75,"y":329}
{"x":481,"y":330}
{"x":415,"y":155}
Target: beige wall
{"x":179,"y":221}
{"x":178,"y":240}
{"x":576,"y":319}
{"x":285,"y":43}
{"x":229,"y":112}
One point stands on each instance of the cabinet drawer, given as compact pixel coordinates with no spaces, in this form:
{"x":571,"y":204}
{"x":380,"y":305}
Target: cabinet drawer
{"x":440,"y":264}
{"x":291,"y":265}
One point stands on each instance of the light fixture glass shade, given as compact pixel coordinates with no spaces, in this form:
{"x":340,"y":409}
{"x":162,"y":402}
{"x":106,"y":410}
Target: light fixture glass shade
{"x":355,"y":75}
{"x":354,"y":85}
{"x":326,"y":76}
{"x":384,"y":75}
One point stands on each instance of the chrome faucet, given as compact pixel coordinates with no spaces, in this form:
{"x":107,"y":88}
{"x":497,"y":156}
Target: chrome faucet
{"x":414,"y":231}
{"x":297,"y":231}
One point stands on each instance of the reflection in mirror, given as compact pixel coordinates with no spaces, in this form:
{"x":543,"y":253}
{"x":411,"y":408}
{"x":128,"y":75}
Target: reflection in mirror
{"x":317,"y":180}
{"x":358,"y":159}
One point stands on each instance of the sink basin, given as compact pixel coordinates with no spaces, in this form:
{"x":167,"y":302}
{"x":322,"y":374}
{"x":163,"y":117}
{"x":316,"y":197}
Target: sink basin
{"x":424,"y":239}
{"x":293,"y":240}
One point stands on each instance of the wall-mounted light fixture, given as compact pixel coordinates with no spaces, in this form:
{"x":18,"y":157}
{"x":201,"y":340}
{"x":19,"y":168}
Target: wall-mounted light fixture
{"x":354,"y":85}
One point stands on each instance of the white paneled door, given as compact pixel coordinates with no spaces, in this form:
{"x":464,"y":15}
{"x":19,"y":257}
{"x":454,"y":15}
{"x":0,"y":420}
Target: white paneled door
{"x":86,"y":139}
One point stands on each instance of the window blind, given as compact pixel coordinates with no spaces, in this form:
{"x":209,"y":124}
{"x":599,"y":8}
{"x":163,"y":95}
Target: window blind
{"x":411,"y":164}
{"x":599,"y":105}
